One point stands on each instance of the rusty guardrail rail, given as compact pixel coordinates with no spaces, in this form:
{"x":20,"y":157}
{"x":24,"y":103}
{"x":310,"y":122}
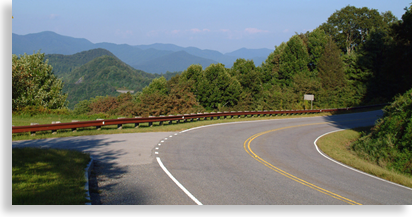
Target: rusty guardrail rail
{"x":137,"y":120}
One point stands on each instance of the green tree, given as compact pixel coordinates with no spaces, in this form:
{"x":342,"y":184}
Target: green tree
{"x":332,"y":77}
{"x":248,"y":76}
{"x":218,"y":88}
{"x":293,"y":60}
{"x":317,"y":40}
{"x":270,"y":68}
{"x":34,"y":84}
{"x":158,"y":85}
{"x":193,"y":75}
{"x":350,"y":26}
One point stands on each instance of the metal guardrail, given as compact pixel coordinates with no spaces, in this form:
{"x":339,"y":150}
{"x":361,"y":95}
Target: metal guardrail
{"x":137,"y":120}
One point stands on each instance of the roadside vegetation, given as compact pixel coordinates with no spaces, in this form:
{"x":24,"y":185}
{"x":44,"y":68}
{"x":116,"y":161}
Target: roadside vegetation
{"x":338,"y":146}
{"x":389,"y":143}
{"x":384,"y":150}
{"x":48,"y":177}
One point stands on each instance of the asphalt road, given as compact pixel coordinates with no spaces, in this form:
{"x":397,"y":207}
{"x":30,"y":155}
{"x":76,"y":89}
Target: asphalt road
{"x":259,"y":162}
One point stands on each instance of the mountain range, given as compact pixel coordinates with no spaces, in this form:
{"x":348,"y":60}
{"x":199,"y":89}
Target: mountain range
{"x":154,"y":58}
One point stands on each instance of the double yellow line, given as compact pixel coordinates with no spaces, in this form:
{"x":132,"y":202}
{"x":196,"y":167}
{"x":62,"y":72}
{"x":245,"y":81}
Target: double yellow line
{"x":247,"y":148}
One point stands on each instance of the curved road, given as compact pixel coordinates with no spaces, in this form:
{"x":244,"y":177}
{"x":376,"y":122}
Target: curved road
{"x":255,"y":162}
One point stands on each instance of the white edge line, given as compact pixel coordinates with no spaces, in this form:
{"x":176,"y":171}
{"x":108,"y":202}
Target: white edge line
{"x":351,"y":168}
{"x":177,"y":182}
{"x":86,"y":176}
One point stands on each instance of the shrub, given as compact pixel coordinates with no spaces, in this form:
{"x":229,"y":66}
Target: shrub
{"x":390,"y":142}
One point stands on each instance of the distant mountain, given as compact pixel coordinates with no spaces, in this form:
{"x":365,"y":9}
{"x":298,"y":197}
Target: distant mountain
{"x":160,"y":46}
{"x":139,"y":55}
{"x":207,"y":54}
{"x":132,"y":55}
{"x":49,"y":43}
{"x":103,"y":76}
{"x":250,"y":53}
{"x":257,"y":55}
{"x":177,"y":61}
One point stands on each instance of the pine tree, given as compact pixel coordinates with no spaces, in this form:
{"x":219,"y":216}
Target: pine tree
{"x":294,"y":60}
{"x":332,"y":75}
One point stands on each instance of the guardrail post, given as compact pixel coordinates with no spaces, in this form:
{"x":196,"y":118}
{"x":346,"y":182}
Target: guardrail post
{"x":33,"y":133}
{"x":170,"y":122}
{"x":211,"y":118}
{"x":191,"y":119}
{"x":151,"y":123}
{"x":161,"y":122}
{"x":231,"y":116}
{"x":74,"y":129}
{"x":120,"y":126}
{"x":55,"y":122}
{"x":199,"y":113}
{"x":136,"y":125}
{"x":99,"y":127}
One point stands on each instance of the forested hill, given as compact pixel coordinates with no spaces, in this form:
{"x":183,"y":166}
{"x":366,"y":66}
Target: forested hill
{"x":103,"y":76}
{"x":64,"y":64}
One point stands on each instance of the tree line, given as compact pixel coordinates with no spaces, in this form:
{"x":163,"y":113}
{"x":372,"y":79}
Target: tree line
{"x":359,"y":56}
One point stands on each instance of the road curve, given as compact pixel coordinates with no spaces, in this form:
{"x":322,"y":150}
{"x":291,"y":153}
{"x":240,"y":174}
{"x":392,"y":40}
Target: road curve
{"x":271,"y":162}
{"x":215,"y":165}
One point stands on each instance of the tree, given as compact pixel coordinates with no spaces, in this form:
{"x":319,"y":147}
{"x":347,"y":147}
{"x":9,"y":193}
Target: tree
{"x":317,"y":40}
{"x":332,"y":76}
{"x":293,"y":60}
{"x":270,"y":68}
{"x":158,"y":85}
{"x":218,"y":88}
{"x":350,"y":26}
{"x":248,"y":76}
{"x":193,"y":75}
{"x":34,"y":83}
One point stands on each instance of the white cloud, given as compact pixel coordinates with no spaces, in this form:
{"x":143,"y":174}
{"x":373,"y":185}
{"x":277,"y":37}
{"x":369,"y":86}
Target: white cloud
{"x":286,"y":30}
{"x":224,"y":30}
{"x":196,"y":30}
{"x":255,"y":30}
{"x":176,"y":31}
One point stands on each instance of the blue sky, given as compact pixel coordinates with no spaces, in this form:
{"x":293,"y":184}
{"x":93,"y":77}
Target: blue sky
{"x":223,"y":25}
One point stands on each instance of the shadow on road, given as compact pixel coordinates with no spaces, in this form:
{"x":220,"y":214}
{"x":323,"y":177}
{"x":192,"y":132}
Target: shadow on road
{"x":354,"y":120}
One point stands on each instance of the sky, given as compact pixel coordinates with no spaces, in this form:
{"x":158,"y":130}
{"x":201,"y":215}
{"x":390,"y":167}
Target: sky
{"x":222,"y":25}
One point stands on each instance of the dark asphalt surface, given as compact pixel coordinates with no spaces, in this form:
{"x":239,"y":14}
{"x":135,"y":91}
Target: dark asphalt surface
{"x":213,"y":165}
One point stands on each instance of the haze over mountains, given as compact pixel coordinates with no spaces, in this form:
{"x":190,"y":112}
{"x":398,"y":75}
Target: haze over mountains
{"x":155,"y":58}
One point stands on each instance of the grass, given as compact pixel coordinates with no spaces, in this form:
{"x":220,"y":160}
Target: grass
{"x":337,"y":146}
{"x":48,"y":176}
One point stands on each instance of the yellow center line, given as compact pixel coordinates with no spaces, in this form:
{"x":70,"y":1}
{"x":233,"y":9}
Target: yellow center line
{"x":247,"y":148}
